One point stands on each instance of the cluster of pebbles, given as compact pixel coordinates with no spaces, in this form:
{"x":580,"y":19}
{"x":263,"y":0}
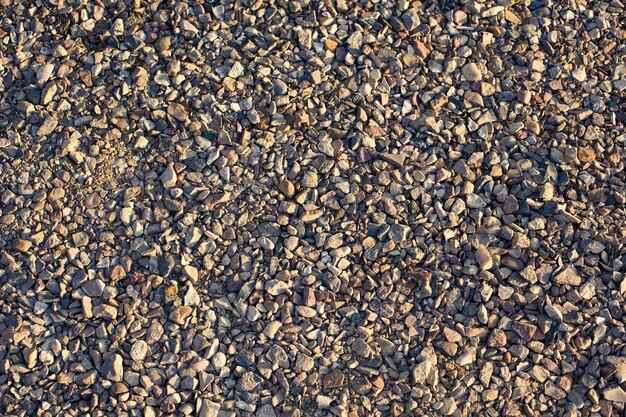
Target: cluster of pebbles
{"x":312,"y":208}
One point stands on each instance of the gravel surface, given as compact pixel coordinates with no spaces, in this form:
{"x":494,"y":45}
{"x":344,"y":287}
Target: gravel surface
{"x":276,"y":208}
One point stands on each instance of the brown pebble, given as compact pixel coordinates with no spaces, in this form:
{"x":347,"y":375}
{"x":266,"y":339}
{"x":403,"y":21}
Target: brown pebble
{"x":334,"y":379}
{"x":287,"y":188}
{"x":22,"y":245}
{"x":586,"y":154}
{"x":93,"y":200}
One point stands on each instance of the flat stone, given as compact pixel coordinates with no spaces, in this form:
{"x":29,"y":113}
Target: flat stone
{"x":208,"y":408}
{"x":396,"y":159}
{"x":449,"y":407}
{"x":86,"y":378}
{"x":139,"y":350}
{"x":489,"y":395}
{"x":615,"y":394}
{"x":378,"y":383}
{"x":191,"y":297}
{"x":287,"y":188}
{"x":467,"y":357}
{"x":305,"y":38}
{"x":421,"y":49}
{"x":188,"y":26}
{"x":105,"y":311}
{"x":248,"y":381}
{"x":529,"y":274}
{"x":47,"y":126}
{"x":483,"y":257}
{"x":266,"y":411}
{"x":553,"y":312}
{"x":166,"y":264}
{"x":112,"y":368}
{"x":254,"y":117}
{"x":141,"y":77}
{"x":586,"y":154}
{"x":305,"y":311}
{"x":280,"y":87}
{"x":169,"y":177}
{"x":236,"y":70}
{"x":180,"y":314}
{"x":421,"y":371}
{"x":472,"y":72}
{"x":310,"y":180}
{"x":476,"y":202}
{"x":277,"y":356}
{"x":539,"y":373}
{"x":333,"y":379}
{"x":178,"y":112}
{"x":497,"y":338}
{"x":22,"y":245}
{"x":48,"y":93}
{"x":163,"y":43}
{"x":360,"y":347}
{"x":304,"y":363}
{"x":399,"y":232}
{"x":323,"y":401}
{"x":44,"y":72}
{"x":524,"y":96}
{"x":568,"y":276}
{"x":579,"y":74}
{"x":191,"y":273}
{"x":218,"y":361}
{"x":275,"y":287}
{"x":93,"y":200}
{"x":525,"y":330}
{"x":552,"y":390}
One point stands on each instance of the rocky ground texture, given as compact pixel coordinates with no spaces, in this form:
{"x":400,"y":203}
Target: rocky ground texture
{"x":312,"y":208}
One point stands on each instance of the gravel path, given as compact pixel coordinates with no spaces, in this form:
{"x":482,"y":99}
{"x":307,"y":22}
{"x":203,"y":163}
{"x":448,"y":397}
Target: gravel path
{"x":301,"y":208}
